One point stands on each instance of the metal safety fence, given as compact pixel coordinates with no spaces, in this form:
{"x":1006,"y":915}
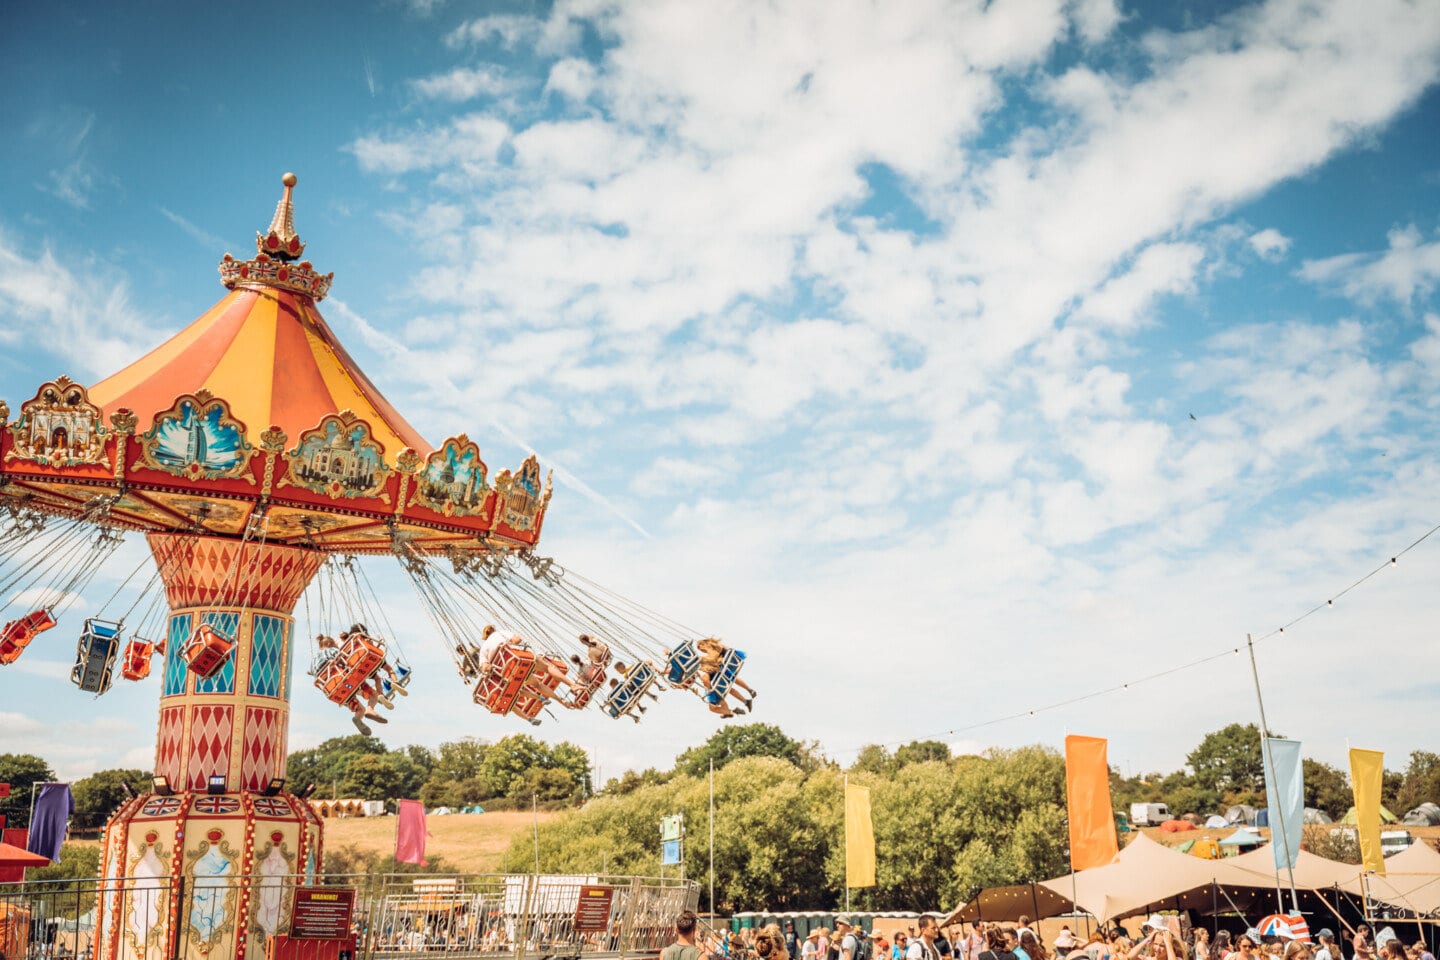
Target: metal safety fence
{"x":395,"y":915}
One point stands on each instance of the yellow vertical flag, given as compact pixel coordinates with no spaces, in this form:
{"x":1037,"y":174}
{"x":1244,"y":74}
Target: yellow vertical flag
{"x":859,"y":838}
{"x":1367,"y":778}
{"x":1093,"y":842}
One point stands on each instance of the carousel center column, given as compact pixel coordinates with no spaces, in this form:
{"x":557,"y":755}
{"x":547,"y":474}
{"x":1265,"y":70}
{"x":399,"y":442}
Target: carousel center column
{"x":234,"y":723}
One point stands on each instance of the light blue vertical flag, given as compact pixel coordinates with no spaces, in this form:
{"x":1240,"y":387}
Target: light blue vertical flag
{"x":1285,"y":796}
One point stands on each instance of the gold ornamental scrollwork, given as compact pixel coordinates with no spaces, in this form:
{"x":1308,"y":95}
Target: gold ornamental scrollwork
{"x":339,"y":458}
{"x":198,"y":439}
{"x":60,"y":427}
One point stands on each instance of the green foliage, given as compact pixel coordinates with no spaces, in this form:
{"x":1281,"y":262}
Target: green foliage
{"x":941,"y":826}
{"x":20,"y":770}
{"x":1420,"y":783}
{"x":326,"y":765}
{"x":919,"y":751}
{"x":731,"y":743}
{"x":1327,"y":788}
{"x":873,"y":758}
{"x":1228,"y":761}
{"x":514,"y":757}
{"x":78,"y":861}
{"x":349,"y":861}
{"x":387,"y":776}
{"x":1342,"y":845}
{"x":98,"y":795}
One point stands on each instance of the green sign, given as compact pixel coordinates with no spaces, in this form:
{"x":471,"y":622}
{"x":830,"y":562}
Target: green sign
{"x":672,"y":828}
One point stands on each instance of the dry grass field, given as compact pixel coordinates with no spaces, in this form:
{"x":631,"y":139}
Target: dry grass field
{"x":467,"y":842}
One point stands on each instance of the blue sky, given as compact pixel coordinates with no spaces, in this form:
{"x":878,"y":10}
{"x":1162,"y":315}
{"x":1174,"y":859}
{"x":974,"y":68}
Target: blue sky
{"x":867,"y":336}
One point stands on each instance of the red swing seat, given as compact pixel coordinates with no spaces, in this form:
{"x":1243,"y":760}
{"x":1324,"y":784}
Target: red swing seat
{"x":207,"y":650}
{"x":136,"y":663}
{"x":529,"y":706}
{"x":342,"y":677}
{"x":16,"y":635}
{"x":501,"y":683}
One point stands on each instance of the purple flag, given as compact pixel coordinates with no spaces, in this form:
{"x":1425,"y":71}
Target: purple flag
{"x":50,"y":821}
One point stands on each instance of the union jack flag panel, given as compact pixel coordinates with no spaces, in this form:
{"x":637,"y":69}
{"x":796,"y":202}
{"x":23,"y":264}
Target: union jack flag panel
{"x":211,"y":806}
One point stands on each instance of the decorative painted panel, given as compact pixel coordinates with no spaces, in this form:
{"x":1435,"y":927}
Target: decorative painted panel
{"x":175,"y":669}
{"x":266,"y":656}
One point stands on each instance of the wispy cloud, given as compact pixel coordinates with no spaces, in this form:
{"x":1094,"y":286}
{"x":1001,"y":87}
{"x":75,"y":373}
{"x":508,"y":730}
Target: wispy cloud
{"x":1407,"y":269}
{"x":201,"y":236}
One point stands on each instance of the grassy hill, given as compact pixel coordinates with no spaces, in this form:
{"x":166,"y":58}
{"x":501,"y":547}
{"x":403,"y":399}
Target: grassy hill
{"x":467,"y":842}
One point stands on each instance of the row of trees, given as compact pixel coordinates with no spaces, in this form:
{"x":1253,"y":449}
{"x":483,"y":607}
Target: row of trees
{"x":1227,"y":767}
{"x":460,"y":773}
{"x":944,"y":826}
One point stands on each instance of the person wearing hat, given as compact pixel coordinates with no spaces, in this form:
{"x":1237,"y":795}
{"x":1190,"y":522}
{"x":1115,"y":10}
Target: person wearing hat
{"x":809,"y":950}
{"x":848,"y":943}
{"x":1327,"y":949}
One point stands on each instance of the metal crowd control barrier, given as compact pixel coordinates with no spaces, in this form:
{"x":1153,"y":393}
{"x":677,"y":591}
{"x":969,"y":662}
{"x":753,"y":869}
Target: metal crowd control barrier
{"x":396,"y":916}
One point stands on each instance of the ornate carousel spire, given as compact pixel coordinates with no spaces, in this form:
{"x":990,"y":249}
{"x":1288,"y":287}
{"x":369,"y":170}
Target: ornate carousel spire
{"x":277,"y":249}
{"x":281,"y":241}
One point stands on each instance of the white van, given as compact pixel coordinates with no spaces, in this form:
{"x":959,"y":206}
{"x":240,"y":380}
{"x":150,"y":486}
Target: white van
{"x":1148,"y":814}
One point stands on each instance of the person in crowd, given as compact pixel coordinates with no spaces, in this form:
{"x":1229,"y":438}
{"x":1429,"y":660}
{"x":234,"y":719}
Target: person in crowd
{"x":922,"y":947}
{"x":792,"y":941}
{"x":1032,"y":946}
{"x":1298,"y":950}
{"x":997,"y":945}
{"x":1222,"y":947}
{"x":1419,"y":951}
{"x":942,"y":943}
{"x":882,"y":945}
{"x":1326,"y":949}
{"x":684,"y":947}
{"x":902,"y":944}
{"x":1012,"y":940}
{"x":1022,"y":926}
{"x":848,"y":943}
{"x":1202,"y":944}
{"x":769,"y":942}
{"x":809,"y":949}
{"x":1065,"y":941}
{"x":1097,"y":947}
{"x":975,"y":943}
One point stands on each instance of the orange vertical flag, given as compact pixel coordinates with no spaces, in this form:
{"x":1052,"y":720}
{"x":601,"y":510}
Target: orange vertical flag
{"x":1087,"y":800}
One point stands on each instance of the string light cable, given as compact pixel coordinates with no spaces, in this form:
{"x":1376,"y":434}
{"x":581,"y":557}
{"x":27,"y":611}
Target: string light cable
{"x":1178,"y":668}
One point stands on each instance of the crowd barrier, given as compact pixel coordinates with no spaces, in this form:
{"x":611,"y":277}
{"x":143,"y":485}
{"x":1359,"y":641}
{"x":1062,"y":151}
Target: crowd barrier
{"x":395,"y":916}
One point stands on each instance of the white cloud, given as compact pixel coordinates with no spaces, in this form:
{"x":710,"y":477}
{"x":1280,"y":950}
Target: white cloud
{"x":83,"y":315}
{"x":463,"y":83}
{"x":1270,"y":244}
{"x":1408,"y":268}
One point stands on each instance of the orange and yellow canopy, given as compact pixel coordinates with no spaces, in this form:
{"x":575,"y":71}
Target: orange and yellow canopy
{"x":271,"y":355}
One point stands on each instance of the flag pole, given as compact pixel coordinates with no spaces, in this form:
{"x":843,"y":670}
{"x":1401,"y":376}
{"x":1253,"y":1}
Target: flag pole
{"x":846,"y":833}
{"x":1279,"y":807}
{"x":712,"y":840}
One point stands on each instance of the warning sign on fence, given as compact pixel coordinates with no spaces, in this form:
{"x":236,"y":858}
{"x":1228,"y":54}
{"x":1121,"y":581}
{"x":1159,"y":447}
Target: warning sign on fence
{"x":593,"y":913}
{"x":321,"y":913}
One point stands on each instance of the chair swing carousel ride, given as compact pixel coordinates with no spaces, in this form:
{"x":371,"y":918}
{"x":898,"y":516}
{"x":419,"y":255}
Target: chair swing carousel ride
{"x":257,"y":460}
{"x":239,"y":522}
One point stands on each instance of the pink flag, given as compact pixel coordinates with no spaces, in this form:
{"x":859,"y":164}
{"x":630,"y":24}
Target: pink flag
{"x":410,"y":833}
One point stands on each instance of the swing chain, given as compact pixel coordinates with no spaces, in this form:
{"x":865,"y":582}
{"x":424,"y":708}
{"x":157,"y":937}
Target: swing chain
{"x":544,"y":569}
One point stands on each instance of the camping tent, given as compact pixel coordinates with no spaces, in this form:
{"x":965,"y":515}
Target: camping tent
{"x":1313,"y":815}
{"x":1385,"y":816}
{"x":1242,"y":838}
{"x":1242,"y":814}
{"x":1217,"y":822}
{"x":1425,"y":815}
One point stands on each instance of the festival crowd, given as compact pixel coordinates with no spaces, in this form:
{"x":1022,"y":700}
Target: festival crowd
{"x":1159,"y":940}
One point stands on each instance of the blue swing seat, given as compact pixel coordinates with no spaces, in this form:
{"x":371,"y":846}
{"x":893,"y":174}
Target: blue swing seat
{"x":624,"y":698}
{"x":683,"y":664}
{"x":95,"y":656}
{"x":724,"y":679}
